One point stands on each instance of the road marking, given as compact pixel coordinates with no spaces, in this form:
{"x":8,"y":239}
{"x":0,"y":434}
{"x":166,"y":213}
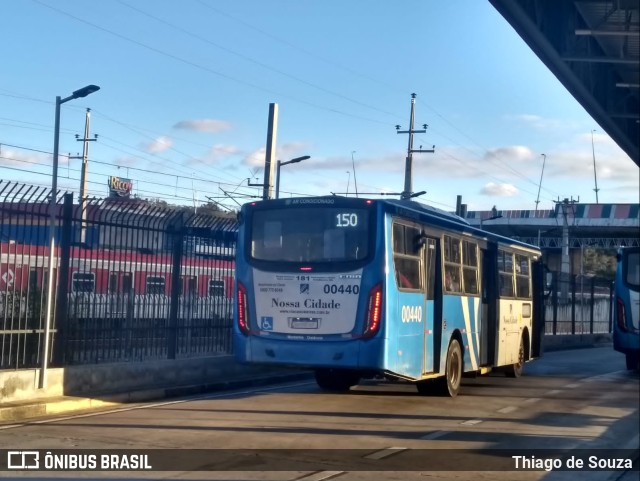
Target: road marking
{"x":531,"y":400}
{"x":385,"y":453}
{"x":508,"y":409}
{"x":434,"y":435}
{"x":572,"y":385}
{"x":471,"y":422}
{"x":320,"y":476}
{"x":552,"y":392}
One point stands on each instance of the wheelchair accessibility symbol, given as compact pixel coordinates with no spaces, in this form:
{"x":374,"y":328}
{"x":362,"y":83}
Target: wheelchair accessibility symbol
{"x":266,"y":323}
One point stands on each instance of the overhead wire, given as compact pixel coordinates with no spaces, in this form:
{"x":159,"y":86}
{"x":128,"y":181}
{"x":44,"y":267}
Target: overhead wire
{"x":231,"y":78}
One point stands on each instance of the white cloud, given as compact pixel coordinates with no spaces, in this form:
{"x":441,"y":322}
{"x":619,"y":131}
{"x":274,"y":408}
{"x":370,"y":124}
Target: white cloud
{"x":499,"y":190}
{"x":211,"y":126}
{"x":255,"y":158}
{"x":13,"y":157}
{"x":160,"y":144}
{"x":511,"y":154}
{"x":220,"y":151}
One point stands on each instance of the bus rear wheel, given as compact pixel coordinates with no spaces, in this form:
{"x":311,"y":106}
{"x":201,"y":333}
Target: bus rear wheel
{"x":515,"y":370}
{"x":336,"y":380}
{"x":449,"y":385}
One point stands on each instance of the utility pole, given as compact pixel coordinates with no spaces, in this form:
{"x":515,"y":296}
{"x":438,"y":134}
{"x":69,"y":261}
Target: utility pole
{"x":83,"y":173}
{"x":408,"y":181}
{"x":565,"y":265}
{"x":595,"y":176}
{"x":353,"y":165}
{"x":270,"y":154}
{"x":544,"y":160}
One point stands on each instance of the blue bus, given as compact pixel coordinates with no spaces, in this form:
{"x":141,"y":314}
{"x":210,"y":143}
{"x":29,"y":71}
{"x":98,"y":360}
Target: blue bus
{"x":353,"y":288}
{"x":626,"y":313}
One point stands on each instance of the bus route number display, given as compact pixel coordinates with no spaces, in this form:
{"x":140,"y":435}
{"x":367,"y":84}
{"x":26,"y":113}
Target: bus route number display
{"x":347,"y":219}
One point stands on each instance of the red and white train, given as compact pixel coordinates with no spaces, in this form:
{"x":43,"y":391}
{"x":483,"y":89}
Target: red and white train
{"x":118,"y":283}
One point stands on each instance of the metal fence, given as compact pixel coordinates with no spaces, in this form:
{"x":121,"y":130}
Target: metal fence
{"x":578,"y":305}
{"x":135,"y":281}
{"x":132,"y":280}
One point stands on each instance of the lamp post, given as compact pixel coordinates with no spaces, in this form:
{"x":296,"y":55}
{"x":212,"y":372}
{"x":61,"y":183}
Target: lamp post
{"x":83,"y":92}
{"x":280,"y":164}
{"x":494,"y":215}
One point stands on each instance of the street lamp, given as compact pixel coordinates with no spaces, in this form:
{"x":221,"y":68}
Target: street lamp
{"x":494,"y":215}
{"x":280,"y":164}
{"x":83,"y":92}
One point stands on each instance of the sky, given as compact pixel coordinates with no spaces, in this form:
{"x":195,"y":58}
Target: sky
{"x":185,"y":89}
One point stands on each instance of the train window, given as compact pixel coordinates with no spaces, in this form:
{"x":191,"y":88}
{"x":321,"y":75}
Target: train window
{"x":83,"y":282}
{"x":505,"y":268}
{"x":406,"y":256}
{"x":190,"y":282}
{"x":523,"y":289}
{"x":155,"y":285}
{"x":119,"y":282}
{"x":33,"y":279}
{"x":216,"y":288}
{"x":113,"y":282}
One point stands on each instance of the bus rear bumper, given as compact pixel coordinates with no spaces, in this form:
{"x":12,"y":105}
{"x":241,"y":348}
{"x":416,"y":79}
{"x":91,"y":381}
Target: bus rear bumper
{"x":341,"y":354}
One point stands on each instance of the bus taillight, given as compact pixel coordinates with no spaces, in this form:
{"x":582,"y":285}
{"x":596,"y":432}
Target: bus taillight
{"x":243,"y":315}
{"x":622,"y":322}
{"x":374,"y":312}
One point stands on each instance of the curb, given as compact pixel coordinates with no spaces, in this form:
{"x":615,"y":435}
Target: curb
{"x":21,"y":411}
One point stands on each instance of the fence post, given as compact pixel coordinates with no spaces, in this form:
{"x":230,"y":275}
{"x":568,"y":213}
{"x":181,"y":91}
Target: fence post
{"x":61,"y":317}
{"x":573,"y":304}
{"x":593,"y":303}
{"x":611,"y":307}
{"x":177,"y":229}
{"x":554,"y":300}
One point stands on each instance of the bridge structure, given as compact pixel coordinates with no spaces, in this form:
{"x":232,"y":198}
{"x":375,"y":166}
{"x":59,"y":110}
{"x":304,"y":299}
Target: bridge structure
{"x":572,"y":225}
{"x":593,"y":48}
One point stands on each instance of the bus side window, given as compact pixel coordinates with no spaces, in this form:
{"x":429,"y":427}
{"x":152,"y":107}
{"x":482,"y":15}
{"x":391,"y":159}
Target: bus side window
{"x":505,"y":267}
{"x":406,"y":258}
{"x":452,"y":265}
{"x":523,"y":289}
{"x":470,"y":267}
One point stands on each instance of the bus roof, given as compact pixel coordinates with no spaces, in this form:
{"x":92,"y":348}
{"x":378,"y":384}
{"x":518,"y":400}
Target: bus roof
{"x":412,"y":208}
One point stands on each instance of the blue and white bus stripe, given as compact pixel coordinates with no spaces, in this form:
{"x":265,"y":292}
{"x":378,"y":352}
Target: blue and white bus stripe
{"x":467,"y":327}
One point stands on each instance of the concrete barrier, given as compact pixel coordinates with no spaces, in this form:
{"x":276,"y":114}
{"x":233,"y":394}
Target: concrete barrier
{"x":102,"y":385}
{"x":120,"y":378}
{"x":575,"y":341}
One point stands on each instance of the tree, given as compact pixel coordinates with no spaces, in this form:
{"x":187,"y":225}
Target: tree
{"x":600,"y":262}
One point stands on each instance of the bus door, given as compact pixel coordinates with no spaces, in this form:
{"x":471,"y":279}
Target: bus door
{"x":429,"y":275}
{"x":408,"y":302}
{"x":509,"y":312}
{"x":489,"y":315}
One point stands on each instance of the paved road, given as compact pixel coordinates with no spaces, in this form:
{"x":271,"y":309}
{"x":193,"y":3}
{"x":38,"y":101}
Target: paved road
{"x":577,"y":403}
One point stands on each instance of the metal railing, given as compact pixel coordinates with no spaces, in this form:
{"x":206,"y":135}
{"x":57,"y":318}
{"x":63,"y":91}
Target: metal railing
{"x":578,"y":305}
{"x":133,"y":281}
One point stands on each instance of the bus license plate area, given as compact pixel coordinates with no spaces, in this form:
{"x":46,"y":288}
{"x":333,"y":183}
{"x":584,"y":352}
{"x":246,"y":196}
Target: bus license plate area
{"x":304,"y":322}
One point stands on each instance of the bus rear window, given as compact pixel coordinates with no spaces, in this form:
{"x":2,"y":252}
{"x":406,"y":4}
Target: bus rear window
{"x":310,"y":234}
